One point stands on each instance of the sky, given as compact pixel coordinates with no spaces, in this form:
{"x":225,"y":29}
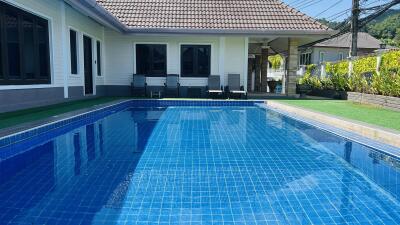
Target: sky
{"x":334,"y":10}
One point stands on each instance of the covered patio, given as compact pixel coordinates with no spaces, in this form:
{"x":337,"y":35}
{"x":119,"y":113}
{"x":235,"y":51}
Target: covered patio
{"x":260,"y":71}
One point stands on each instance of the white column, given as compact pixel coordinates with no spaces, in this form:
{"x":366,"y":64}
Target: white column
{"x":64,"y":51}
{"x":103,"y":57}
{"x":350,"y":71}
{"x":323,"y":69}
{"x":379,"y":60}
{"x":221,"y":65}
{"x":284,"y":77}
{"x":246,"y":62}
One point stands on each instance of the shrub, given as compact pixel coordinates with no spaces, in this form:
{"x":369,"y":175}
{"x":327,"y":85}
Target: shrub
{"x":364,"y":69}
{"x":309,"y":79}
{"x":337,"y":72}
{"x":387,"y":82}
{"x":364,"y":77}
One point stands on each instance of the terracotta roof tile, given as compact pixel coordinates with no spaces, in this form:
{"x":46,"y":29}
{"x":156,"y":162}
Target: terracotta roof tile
{"x":210,"y":14}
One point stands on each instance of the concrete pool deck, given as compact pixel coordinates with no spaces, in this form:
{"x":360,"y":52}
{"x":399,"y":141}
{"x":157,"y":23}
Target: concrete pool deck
{"x":384,"y":135}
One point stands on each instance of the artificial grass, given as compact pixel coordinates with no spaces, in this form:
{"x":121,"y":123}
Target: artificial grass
{"x":355,"y":111}
{"x":9,"y":119}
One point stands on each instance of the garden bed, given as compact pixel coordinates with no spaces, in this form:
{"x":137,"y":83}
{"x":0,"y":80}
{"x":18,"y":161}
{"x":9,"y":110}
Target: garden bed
{"x":379,"y":100}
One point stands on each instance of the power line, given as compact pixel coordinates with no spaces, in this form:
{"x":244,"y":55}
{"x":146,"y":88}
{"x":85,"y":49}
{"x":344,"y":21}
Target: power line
{"x":310,"y":4}
{"x":344,"y":27}
{"x":302,"y":3}
{"x":329,"y":7}
{"x":295,"y":2}
{"x":379,"y":12}
{"x":341,"y":13}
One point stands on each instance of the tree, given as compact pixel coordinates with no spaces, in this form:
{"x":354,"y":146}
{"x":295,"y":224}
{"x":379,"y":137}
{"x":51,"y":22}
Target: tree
{"x":387,"y":30}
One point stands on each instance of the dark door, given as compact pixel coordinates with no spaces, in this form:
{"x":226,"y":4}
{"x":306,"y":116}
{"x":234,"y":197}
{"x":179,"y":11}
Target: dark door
{"x":87,"y":57}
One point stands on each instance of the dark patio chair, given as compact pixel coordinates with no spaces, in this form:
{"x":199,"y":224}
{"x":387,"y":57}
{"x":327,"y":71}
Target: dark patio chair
{"x":214,"y":86}
{"x":139,"y":85}
{"x":234,"y":87}
{"x":171,"y":85}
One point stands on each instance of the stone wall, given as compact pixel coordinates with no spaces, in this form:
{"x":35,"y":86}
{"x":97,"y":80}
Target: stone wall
{"x":292,"y":67}
{"x":380,"y":100}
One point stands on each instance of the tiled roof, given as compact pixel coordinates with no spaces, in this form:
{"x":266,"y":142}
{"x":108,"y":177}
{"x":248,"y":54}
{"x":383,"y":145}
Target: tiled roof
{"x":364,"y":40}
{"x":256,"y":15}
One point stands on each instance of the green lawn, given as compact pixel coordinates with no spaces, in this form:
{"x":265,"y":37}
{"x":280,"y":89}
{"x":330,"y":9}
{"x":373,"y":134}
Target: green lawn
{"x":14,"y":118}
{"x":355,"y":111}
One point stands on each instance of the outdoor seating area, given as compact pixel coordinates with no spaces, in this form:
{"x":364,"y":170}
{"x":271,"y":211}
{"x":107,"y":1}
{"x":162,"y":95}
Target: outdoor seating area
{"x":171,"y":88}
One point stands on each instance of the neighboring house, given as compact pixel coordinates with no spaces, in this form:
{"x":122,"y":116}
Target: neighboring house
{"x":338,"y":48}
{"x":58,"y":50}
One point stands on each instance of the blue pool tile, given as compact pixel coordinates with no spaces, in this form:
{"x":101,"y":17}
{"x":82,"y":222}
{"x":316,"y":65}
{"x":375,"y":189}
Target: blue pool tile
{"x":194,"y":162}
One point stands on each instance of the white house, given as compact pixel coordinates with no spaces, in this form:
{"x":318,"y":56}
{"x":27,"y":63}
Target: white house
{"x":58,"y":50}
{"x":338,"y":48}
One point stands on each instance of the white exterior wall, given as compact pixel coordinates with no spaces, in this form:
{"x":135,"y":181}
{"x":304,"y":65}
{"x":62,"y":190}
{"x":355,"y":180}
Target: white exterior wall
{"x":235,"y":59}
{"x":120,"y":56}
{"x":60,"y":20}
{"x":331,"y":54}
{"x":83,"y":26}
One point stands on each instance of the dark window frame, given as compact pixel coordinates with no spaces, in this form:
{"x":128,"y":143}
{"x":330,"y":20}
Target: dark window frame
{"x":195,"y":66}
{"x":151,"y":72}
{"x":42,"y":72}
{"x":98,"y":57}
{"x":305,"y":58}
{"x":73,"y":53}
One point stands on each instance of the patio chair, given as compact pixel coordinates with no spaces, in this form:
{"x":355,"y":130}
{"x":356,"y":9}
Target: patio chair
{"x":214,"y":85}
{"x":139,"y":85}
{"x":172,"y":85}
{"x":234,"y":87}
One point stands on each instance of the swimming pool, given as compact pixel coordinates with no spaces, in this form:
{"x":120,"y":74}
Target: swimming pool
{"x":209,"y":164}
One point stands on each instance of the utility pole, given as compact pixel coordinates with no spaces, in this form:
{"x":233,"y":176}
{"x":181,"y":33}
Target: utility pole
{"x":354,"y":27}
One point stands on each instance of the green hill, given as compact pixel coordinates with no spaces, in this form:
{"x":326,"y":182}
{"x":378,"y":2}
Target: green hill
{"x":386,"y":27}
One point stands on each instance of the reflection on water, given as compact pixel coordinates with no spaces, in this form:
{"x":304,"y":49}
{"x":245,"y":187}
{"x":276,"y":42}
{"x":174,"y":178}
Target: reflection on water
{"x":381,"y":168}
{"x":77,"y":153}
{"x":81,"y":170}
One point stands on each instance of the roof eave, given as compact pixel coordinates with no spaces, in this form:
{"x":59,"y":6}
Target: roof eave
{"x":244,"y":32}
{"x":92,"y":9}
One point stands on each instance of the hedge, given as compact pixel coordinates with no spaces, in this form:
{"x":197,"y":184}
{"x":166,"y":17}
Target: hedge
{"x":363,"y":78}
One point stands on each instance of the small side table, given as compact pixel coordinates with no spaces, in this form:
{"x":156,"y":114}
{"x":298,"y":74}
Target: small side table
{"x":155,"y":94}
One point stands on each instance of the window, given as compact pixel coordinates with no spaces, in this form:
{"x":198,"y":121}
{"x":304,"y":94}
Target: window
{"x":98,"y":46}
{"x":305,"y":59}
{"x":24,"y":47}
{"x":1,"y":57}
{"x":73,"y":51}
{"x":151,"y":59}
{"x":29,"y":64}
{"x":321,"y":57}
{"x":341,"y":56}
{"x":195,"y":60}
{"x":13,"y":40}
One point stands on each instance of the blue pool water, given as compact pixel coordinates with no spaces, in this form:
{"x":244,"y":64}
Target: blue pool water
{"x":196,"y":165}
